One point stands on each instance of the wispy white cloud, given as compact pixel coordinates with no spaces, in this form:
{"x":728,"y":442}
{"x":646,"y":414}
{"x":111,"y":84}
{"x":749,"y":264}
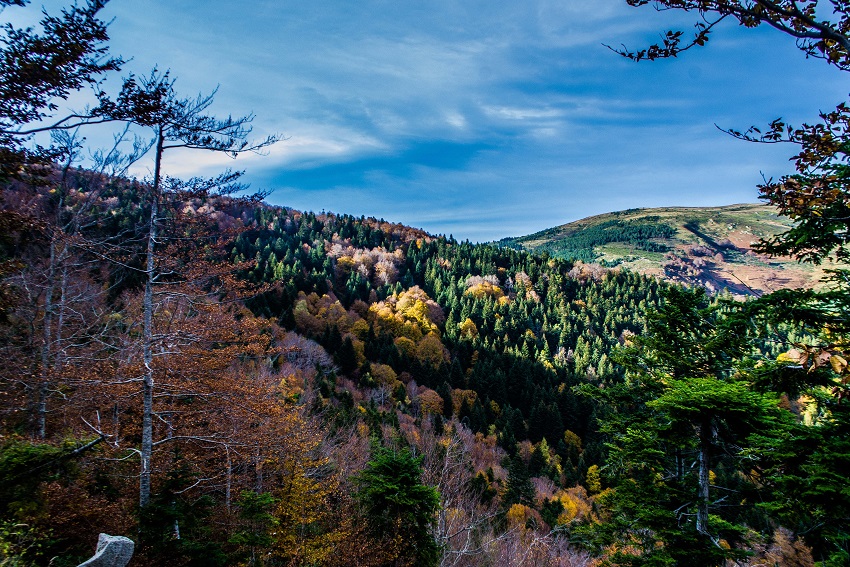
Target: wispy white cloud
{"x":522,"y":114}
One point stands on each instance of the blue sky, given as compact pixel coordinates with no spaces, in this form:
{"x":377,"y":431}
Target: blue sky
{"x":478,"y":118}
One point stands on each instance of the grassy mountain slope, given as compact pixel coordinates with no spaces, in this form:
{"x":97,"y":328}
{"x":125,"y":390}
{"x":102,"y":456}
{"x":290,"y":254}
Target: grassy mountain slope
{"x":709,"y":246}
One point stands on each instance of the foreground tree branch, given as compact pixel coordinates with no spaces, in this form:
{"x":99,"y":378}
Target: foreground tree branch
{"x":822,"y":38}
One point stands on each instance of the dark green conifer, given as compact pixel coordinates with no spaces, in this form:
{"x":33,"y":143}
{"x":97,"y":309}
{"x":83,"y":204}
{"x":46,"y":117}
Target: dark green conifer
{"x":519,"y":487}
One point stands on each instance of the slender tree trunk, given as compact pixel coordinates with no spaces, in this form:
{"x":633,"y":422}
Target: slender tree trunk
{"x":61,"y":310}
{"x":229,"y":479}
{"x":176,"y":532}
{"x":48,"y":362}
{"x":147,"y":308}
{"x":116,"y":424}
{"x":258,"y":471}
{"x":47,"y":340}
{"x":680,"y":466}
{"x":704,"y":464}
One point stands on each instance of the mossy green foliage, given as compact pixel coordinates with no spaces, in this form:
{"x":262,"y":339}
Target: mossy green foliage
{"x":23,"y":466}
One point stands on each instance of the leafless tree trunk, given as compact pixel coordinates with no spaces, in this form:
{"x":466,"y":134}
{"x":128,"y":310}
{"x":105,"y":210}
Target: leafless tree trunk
{"x":47,"y":338}
{"x":704,"y":465}
{"x":148,"y":380}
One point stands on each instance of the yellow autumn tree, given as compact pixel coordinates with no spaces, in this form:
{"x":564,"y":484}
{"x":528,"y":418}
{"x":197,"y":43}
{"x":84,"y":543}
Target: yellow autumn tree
{"x":468,"y":329}
{"x":594,"y":479}
{"x":485,"y":289}
{"x":430,"y":350}
{"x":410,"y":314}
{"x":384,"y":375}
{"x":405,"y":346}
{"x":576,"y":503}
{"x":307,"y":530}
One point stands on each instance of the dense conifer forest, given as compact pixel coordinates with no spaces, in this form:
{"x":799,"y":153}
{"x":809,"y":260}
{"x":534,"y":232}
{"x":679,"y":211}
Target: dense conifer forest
{"x":642,"y":234}
{"x":228,"y":382}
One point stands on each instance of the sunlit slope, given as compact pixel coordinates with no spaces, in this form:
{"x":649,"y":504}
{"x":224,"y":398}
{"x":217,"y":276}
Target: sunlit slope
{"x":709,"y":246}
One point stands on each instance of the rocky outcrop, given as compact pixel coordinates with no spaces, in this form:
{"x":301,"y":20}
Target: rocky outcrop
{"x":112,"y":551}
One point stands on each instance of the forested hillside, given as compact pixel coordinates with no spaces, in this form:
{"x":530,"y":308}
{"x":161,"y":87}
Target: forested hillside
{"x":364,"y":329}
{"x":227,"y":382}
{"x":499,"y":376}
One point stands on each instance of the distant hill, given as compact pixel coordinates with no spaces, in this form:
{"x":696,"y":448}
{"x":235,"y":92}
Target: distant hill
{"x":709,"y":246}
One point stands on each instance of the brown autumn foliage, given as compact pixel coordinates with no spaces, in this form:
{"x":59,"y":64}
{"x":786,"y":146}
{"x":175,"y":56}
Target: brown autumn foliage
{"x":785,"y":550}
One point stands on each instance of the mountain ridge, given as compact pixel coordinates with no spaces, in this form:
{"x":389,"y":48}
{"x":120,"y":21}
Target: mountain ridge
{"x":706,"y":246}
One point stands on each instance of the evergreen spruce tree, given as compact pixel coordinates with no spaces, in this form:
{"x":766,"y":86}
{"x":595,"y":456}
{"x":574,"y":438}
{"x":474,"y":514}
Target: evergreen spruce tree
{"x":347,"y":357}
{"x":684,"y":414}
{"x":399,"y":509}
{"x":519,"y":488}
